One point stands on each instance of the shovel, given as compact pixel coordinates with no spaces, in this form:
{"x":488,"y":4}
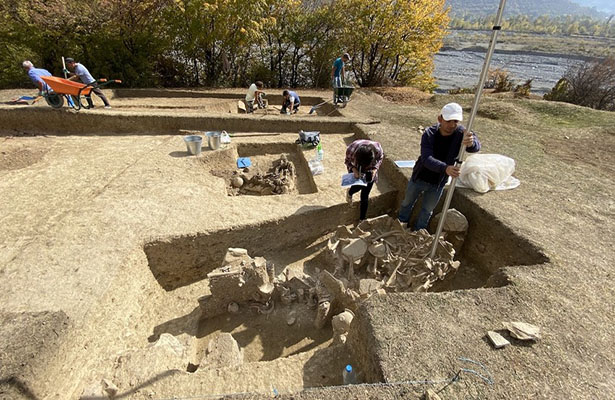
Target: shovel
{"x":317,"y":106}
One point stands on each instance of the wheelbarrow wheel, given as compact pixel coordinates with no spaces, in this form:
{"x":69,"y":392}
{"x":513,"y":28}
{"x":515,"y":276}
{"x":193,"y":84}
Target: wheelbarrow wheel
{"x":55,"y":100}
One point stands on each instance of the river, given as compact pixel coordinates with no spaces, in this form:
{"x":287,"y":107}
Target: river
{"x":461,"y":68}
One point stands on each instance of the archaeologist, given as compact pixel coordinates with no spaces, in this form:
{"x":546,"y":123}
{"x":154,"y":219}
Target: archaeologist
{"x":80,"y":72}
{"x":290,"y":102}
{"x":440,"y":146}
{"x":255,"y":93}
{"x":363,"y":158}
{"x":338,"y":74}
{"x":35,"y":76}
{"x":338,"y":71}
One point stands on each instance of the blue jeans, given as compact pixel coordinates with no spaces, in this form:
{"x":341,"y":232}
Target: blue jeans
{"x":431,"y":196}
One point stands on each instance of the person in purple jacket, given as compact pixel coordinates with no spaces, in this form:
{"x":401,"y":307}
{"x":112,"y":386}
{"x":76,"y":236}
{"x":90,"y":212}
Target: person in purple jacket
{"x":363,"y":159}
{"x":440,"y":146}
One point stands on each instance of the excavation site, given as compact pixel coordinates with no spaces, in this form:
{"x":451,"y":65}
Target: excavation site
{"x":138,"y":265}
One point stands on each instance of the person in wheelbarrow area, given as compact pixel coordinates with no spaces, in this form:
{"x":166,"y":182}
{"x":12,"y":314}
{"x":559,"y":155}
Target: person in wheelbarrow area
{"x":81,"y":72}
{"x":338,"y":72}
{"x":35,"y":76}
{"x":440,"y":146}
{"x":290,"y":102}
{"x":255,"y":93}
{"x":363,"y":159}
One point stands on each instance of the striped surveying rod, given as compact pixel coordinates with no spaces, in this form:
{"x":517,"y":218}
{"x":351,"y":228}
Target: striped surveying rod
{"x":462,"y":150}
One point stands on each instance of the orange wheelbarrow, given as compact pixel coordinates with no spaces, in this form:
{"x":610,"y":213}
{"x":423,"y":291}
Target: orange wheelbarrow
{"x":74,"y":92}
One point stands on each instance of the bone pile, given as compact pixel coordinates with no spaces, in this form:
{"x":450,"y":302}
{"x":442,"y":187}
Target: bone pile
{"x":280,"y":179}
{"x":377,"y":256}
{"x":381,"y":249}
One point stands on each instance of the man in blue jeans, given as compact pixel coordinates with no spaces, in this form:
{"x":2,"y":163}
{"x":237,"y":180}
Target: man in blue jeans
{"x":290,"y":102}
{"x":440,"y":146}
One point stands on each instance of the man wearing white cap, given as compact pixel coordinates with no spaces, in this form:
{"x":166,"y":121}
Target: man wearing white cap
{"x":440,"y":146}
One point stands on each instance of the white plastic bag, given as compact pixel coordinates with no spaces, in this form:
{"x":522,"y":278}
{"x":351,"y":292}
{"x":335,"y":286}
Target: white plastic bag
{"x":316,"y":167}
{"x":225,"y":138}
{"x":484,"y":172}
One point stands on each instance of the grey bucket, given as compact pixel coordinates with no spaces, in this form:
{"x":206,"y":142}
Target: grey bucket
{"x":213,"y":140}
{"x":193,"y":144}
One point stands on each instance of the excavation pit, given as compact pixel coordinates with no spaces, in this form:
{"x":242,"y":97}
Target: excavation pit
{"x":276,"y":169}
{"x":283,"y":345}
{"x":285,"y":331}
{"x":212,"y":105}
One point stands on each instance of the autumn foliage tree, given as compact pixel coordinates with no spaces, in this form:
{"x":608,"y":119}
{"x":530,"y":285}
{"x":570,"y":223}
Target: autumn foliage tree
{"x":224,"y":42}
{"x":393,"y":40}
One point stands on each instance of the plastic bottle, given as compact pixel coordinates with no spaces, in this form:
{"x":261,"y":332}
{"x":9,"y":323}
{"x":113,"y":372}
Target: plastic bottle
{"x":319,"y":152}
{"x":349,"y":376}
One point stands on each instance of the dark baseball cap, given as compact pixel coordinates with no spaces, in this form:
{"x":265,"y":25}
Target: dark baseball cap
{"x":69,"y":60}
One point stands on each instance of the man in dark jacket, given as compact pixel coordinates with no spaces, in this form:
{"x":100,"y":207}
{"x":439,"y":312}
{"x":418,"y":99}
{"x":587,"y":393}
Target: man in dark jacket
{"x":440,"y":146}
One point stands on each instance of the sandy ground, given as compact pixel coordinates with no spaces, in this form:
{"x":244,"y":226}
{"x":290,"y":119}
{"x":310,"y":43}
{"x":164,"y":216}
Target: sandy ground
{"x":77,"y":291}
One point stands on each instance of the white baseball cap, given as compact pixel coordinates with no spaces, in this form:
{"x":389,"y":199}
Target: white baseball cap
{"x":452,"y":111}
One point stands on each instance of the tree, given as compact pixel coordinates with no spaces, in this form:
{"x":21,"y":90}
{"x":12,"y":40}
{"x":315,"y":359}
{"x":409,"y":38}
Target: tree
{"x":589,"y":84}
{"x":393,"y":40}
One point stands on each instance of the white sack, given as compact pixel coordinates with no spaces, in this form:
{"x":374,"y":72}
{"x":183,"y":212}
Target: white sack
{"x":484,"y":172}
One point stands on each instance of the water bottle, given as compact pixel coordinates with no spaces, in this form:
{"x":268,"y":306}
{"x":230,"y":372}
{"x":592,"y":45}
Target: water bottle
{"x":319,"y":152}
{"x":349,"y":375}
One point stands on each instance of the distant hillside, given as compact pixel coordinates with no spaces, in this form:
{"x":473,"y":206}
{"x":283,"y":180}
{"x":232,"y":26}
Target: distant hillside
{"x":606,"y":6}
{"x":526,"y":7}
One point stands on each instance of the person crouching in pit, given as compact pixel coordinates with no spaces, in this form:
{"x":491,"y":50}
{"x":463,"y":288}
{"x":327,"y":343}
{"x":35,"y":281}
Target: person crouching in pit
{"x":255,"y":93}
{"x":290,"y":102}
{"x":363,"y":159}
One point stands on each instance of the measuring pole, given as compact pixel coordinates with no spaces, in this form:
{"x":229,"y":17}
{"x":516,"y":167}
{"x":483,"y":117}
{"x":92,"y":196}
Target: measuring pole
{"x":479,"y":91}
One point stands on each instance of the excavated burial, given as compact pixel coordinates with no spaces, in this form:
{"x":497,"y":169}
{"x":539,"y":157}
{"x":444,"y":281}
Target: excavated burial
{"x":223,"y":164}
{"x":298,"y":241}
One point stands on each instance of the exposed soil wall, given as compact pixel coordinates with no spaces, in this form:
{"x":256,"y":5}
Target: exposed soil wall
{"x":181,"y":261}
{"x":65,"y":122}
{"x":141,"y":93}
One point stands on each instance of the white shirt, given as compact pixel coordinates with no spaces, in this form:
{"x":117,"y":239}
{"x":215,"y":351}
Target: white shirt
{"x":251,"y":96}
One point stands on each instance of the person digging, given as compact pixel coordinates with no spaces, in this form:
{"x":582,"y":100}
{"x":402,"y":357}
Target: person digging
{"x":290,"y":102}
{"x":255,"y":94}
{"x":80,"y":72}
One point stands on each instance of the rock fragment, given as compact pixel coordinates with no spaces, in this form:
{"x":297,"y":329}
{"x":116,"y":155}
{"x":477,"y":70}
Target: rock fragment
{"x":109,"y":387}
{"x":341,"y":326}
{"x":497,"y":340}
{"x":523,"y":330}
{"x":222,"y":351}
{"x":431,"y":394}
